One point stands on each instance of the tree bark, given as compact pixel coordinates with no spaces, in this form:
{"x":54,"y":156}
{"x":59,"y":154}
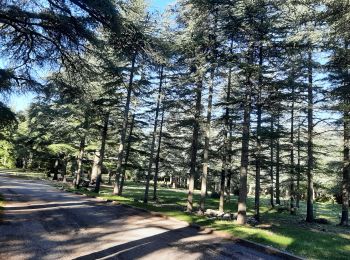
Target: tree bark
{"x":292,"y":165}
{"x":158,"y":156}
{"x":310,"y":162}
{"x":150,"y":163}
{"x":271,"y":162}
{"x":258,"y":139}
{"x":124,"y":126}
{"x":81,"y":154}
{"x":120,"y":192}
{"x":298,"y":170}
{"x":206,"y":145}
{"x":194,"y":145}
{"x":101,"y":152}
{"x":242,"y":198}
{"x":278,"y":159}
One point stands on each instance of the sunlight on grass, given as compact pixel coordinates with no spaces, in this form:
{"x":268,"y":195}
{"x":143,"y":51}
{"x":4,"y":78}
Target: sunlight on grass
{"x":280,"y":230}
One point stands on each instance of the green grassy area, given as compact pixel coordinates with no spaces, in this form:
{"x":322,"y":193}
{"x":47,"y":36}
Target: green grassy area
{"x":280,"y":230}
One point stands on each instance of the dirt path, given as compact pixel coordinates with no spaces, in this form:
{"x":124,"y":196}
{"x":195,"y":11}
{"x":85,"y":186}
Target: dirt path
{"x":41,"y":222}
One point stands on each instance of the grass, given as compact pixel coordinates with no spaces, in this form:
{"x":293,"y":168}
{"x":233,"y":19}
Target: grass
{"x":280,"y":230}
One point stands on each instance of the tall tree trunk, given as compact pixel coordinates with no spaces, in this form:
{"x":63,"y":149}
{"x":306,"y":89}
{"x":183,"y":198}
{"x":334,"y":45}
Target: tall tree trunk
{"x":271,"y":162}
{"x":194,"y":145}
{"x":120,"y":192}
{"x":258,"y":139}
{"x":156,"y":171}
{"x":229,"y":173}
{"x":124,"y":127}
{"x":81,"y":154}
{"x":102,"y":152}
{"x":344,"y":221}
{"x":150,"y":163}
{"x":310,"y":163}
{"x":206,"y":145}
{"x":278,"y":161}
{"x":242,"y":198}
{"x":292,"y":165}
{"x":298,"y":169}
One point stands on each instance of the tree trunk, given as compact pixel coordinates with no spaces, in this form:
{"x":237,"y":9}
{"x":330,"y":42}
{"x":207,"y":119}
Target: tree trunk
{"x":206,"y":144}
{"x":242,"y":198}
{"x":344,"y":221}
{"x":292,"y":166}
{"x":258,"y":139}
{"x":158,"y":156}
{"x":150,"y":163}
{"x":81,"y":154}
{"x":310,"y":163}
{"x":271,"y":162}
{"x":101,"y":153}
{"x":194,"y":146}
{"x":124,"y":127}
{"x":55,"y":169}
{"x":298,"y":169}
{"x":120,"y":192}
{"x":278,"y":200}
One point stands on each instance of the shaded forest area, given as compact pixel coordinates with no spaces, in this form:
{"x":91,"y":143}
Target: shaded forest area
{"x":229,"y":97}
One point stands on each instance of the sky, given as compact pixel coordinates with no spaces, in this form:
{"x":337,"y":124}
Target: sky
{"x":20,"y":102}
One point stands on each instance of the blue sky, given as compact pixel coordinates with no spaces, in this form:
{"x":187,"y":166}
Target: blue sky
{"x":22,"y":101}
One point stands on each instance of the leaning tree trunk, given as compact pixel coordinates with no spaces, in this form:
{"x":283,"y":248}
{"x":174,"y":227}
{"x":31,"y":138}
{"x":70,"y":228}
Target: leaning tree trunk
{"x":242,"y":198}
{"x":194,"y":145}
{"x":120,"y":192}
{"x":310,"y":184}
{"x":344,"y":221}
{"x":156,"y":171}
{"x":150,"y":163}
{"x":124,"y":127}
{"x":101,"y":153}
{"x":206,"y":144}
{"x":258,"y":139}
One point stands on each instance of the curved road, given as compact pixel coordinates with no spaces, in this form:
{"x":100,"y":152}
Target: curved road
{"x":41,"y":222}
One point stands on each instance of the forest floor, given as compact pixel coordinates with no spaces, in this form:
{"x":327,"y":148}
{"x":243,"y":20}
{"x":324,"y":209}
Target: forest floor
{"x":277,"y":229}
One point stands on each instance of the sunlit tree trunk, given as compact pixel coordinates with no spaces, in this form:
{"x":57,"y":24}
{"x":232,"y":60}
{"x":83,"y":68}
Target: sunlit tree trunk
{"x":206,"y":144}
{"x":194,"y":146}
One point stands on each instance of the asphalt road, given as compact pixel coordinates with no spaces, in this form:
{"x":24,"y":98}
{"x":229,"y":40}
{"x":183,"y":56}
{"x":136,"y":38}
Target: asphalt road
{"x":42,"y":222}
